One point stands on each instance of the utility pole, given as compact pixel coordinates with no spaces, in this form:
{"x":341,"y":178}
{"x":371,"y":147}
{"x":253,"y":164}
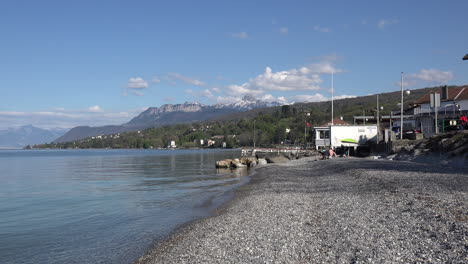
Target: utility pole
{"x":378,"y":121}
{"x":363,"y":116}
{"x":254,"y":132}
{"x":332,"y":100}
{"x":401,"y":108}
{"x":305,"y":133}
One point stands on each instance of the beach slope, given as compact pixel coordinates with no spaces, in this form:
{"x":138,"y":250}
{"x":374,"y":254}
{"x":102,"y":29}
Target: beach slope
{"x":340,"y":210}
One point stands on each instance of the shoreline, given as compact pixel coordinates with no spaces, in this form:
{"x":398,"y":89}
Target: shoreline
{"x":302,"y":215}
{"x":228,"y":199}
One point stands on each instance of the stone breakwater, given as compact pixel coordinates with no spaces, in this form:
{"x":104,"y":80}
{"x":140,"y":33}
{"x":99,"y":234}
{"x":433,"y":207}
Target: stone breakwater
{"x":333,"y":211}
{"x":240,"y":163}
{"x":263,"y":158}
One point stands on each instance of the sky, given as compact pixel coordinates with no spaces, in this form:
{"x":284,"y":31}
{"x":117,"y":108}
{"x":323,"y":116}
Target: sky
{"x":70,"y":63}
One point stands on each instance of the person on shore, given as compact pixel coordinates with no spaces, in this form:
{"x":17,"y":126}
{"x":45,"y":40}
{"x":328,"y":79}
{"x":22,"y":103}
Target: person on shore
{"x":325,"y":153}
{"x":332,"y":153}
{"x":463,"y":122}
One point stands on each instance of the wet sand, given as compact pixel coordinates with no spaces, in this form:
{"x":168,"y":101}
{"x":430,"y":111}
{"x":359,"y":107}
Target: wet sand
{"x":339,"y":211}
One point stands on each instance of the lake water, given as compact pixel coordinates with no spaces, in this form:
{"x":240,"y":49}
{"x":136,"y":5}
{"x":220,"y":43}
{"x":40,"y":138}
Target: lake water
{"x":103,"y":206}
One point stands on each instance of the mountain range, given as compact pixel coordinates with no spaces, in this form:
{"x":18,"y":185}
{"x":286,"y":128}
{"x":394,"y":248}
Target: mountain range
{"x":15,"y":138}
{"x":168,"y":114}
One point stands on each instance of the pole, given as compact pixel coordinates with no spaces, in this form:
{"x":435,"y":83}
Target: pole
{"x":254,"y":132}
{"x":378,"y":127}
{"x":363,"y":117}
{"x":332,"y":100}
{"x":401,"y":108}
{"x":305,"y":132}
{"x":436,"y":123}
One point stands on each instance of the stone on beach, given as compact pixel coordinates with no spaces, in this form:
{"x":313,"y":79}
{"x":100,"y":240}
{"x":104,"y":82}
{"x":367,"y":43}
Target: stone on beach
{"x":277,"y":159}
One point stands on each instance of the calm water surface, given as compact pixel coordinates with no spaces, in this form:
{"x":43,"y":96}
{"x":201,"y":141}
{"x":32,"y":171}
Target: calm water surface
{"x":102,"y":206}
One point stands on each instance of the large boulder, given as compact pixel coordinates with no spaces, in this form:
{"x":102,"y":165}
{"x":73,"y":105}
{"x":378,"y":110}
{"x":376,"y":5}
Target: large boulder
{"x":262,"y":162}
{"x":226,"y":163}
{"x":249,"y":161}
{"x":236,"y":163}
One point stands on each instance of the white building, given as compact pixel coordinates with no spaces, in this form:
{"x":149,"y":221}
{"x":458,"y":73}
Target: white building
{"x":172,"y":144}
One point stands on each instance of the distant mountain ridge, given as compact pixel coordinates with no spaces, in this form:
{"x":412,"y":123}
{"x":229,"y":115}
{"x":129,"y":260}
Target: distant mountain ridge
{"x":15,"y":138}
{"x":168,"y":114}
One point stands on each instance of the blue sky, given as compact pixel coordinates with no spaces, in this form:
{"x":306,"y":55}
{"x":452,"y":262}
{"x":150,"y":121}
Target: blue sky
{"x":68,"y":63}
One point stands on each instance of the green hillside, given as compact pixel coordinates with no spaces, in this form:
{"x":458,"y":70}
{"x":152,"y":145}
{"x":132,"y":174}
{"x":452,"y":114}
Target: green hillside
{"x":237,"y":129}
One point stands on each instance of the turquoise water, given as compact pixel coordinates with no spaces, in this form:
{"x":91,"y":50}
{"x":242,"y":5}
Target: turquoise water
{"x":102,"y":206}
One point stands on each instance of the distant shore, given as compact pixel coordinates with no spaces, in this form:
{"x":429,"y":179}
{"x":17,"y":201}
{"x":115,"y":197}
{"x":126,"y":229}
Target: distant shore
{"x":339,"y":210}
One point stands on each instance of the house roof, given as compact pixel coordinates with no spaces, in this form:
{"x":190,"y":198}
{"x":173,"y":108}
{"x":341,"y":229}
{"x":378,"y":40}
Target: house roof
{"x":336,"y":121}
{"x":454,"y":94}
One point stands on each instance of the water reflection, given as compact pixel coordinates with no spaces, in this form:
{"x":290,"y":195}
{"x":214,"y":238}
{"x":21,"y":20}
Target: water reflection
{"x":240,"y":172}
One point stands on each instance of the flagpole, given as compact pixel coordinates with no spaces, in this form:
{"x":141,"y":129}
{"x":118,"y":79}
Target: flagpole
{"x":332,"y":100}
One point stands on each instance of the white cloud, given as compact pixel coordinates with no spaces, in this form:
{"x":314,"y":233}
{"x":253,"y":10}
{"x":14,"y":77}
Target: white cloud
{"x":433,"y":76}
{"x":386,"y":22}
{"x":426,"y":77}
{"x":241,"y":90}
{"x":270,"y":98}
{"x":227,"y":99}
{"x":317,"y":97}
{"x":308,"y":98}
{"x":176,"y":76}
{"x":291,"y":80}
{"x":284,"y":30}
{"x":95,"y":109}
{"x":216,"y":90}
{"x":138,"y":93}
{"x":155,"y":79}
{"x":305,"y":78}
{"x":203,"y":93}
{"x":137,"y":83}
{"x":241,"y":35}
{"x":207,"y":93}
{"x":321,"y":29}
{"x":343,"y":96}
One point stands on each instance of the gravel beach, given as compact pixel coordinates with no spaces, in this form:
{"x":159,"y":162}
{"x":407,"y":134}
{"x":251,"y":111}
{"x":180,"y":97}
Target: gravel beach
{"x":333,"y":211}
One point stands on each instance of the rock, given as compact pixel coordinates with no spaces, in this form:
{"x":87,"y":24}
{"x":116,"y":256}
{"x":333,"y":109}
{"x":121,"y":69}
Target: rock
{"x":444,"y":162}
{"x":277,"y":159}
{"x":249,"y":161}
{"x":262,"y":162}
{"x":237,"y":164}
{"x":226,"y":163}
{"x":416,"y":152}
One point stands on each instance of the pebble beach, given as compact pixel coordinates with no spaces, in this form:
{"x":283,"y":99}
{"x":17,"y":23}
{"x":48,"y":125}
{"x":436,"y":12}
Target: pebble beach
{"x":333,"y":211}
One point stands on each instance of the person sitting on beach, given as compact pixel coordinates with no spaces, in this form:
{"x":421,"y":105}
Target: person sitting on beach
{"x":332,"y":153}
{"x":324,"y":153}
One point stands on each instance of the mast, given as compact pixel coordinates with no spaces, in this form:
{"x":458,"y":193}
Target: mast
{"x":332,"y":100}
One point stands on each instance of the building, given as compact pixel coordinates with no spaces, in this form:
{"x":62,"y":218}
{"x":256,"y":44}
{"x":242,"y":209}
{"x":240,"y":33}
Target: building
{"x":453,"y":103}
{"x":322,"y":133}
{"x":172,"y":144}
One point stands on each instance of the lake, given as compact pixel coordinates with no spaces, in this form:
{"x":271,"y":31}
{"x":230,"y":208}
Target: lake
{"x":103,"y":206}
